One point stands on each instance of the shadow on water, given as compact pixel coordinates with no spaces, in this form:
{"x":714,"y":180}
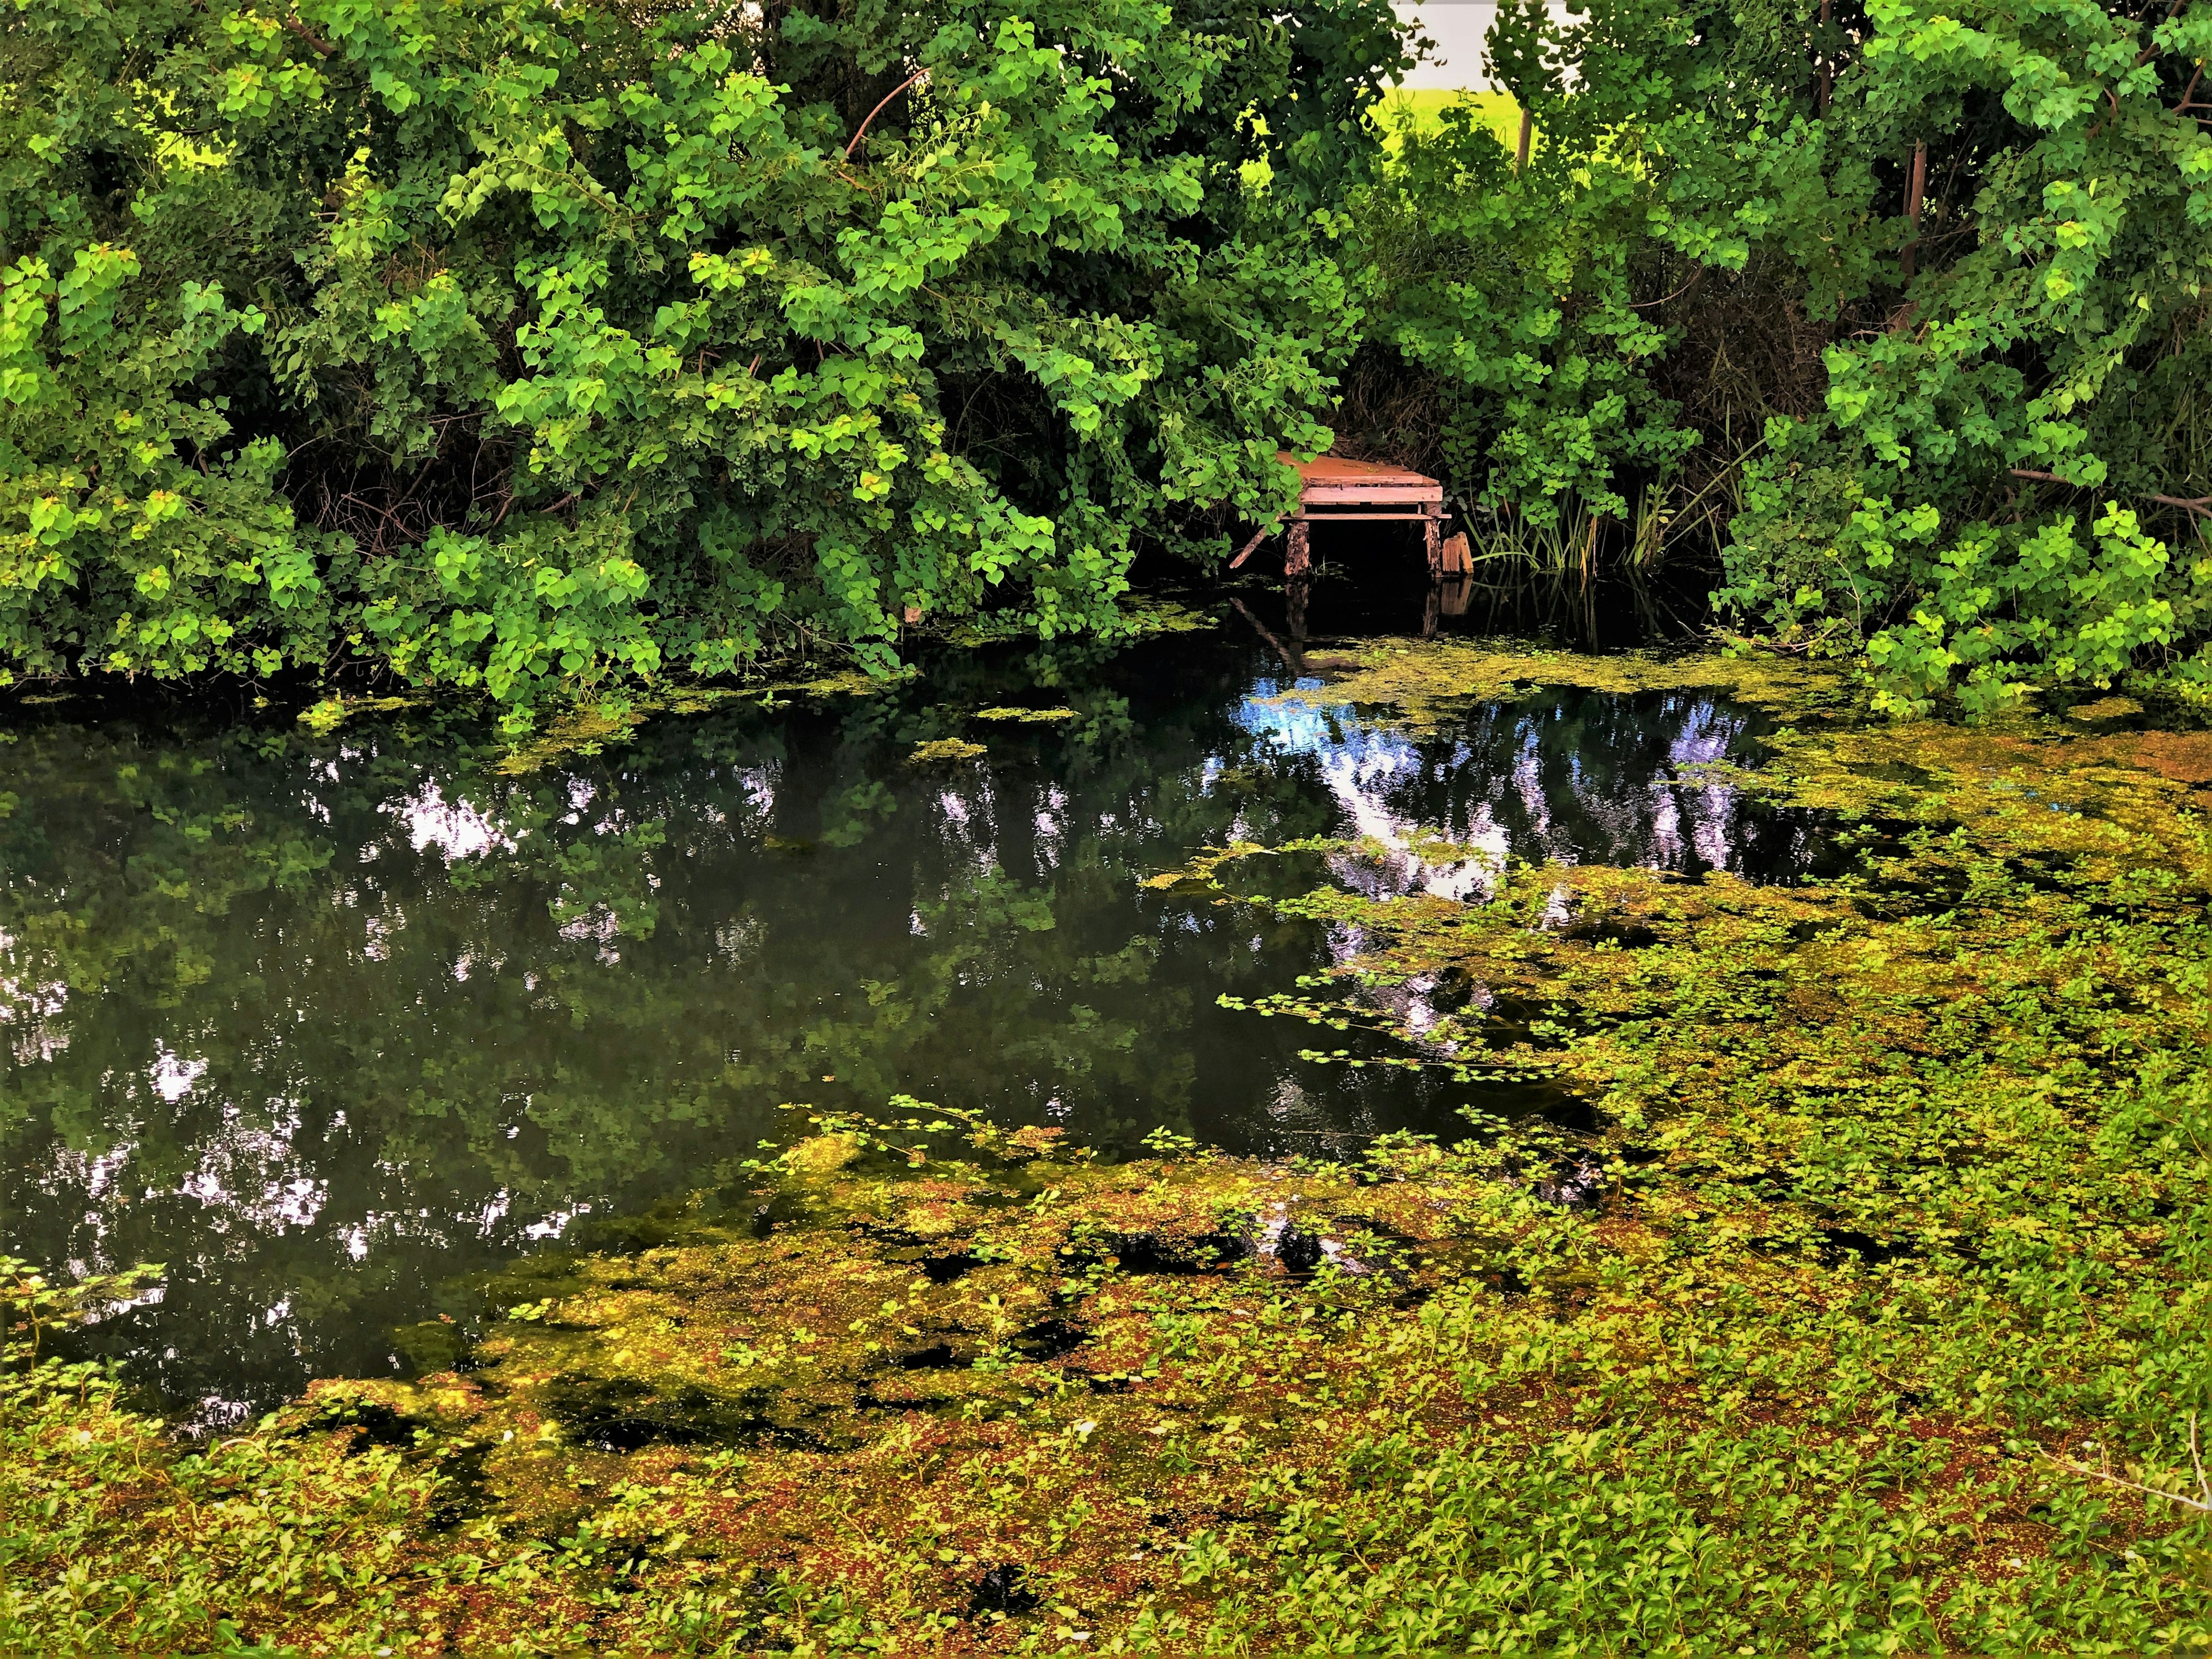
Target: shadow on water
{"x":322,"y":1021}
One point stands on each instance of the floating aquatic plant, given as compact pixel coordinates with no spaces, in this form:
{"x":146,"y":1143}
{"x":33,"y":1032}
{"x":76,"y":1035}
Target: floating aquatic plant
{"x":1866,"y":1239}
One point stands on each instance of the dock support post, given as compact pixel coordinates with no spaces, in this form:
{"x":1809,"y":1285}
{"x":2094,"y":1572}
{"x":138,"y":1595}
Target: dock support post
{"x":1300,"y":554}
{"x":1432,"y":542}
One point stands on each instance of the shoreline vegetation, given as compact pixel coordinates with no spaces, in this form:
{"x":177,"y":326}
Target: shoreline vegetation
{"x":552,"y":354}
{"x":1848,"y":1297}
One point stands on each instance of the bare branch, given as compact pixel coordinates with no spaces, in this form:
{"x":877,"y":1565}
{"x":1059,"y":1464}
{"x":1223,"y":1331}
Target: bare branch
{"x":863,"y":132}
{"x":323,"y":47}
{"x":2201,"y":1503}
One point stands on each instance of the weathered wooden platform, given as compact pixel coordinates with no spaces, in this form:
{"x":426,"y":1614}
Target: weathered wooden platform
{"x":1331,"y":488}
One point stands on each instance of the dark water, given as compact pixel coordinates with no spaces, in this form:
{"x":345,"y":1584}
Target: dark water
{"x":327,"y":1022}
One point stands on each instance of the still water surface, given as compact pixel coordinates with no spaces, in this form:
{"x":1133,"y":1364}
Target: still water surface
{"x":327,"y":1022}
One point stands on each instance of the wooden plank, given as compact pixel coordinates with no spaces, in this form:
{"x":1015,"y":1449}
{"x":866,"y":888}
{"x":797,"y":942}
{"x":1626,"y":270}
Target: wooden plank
{"x":1382,"y":495}
{"x":1330,"y":479}
{"x":1334,"y":469}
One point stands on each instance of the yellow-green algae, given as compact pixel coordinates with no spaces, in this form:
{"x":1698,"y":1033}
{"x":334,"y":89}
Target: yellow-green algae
{"x":325,"y":717}
{"x":938,"y":750}
{"x":1896,"y":1218}
{"x":1427,"y":683}
{"x":588,"y":727}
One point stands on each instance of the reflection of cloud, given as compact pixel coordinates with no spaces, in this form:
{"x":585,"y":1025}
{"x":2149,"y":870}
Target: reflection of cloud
{"x":738,"y":940}
{"x":759,"y":785}
{"x":1693,"y":822}
{"x":597,"y":926}
{"x":1051,"y":828}
{"x":972,"y":824}
{"x":1540,"y":782}
{"x":555,"y":1224}
{"x":213,"y":1415}
{"x":173,"y":1076}
{"x":254,"y":1178}
{"x":456,"y":829}
{"x":1362,"y":767}
{"x":30,"y":1004}
{"x":491,"y":1220}
{"x":1554,"y":791}
{"x":377,"y":931}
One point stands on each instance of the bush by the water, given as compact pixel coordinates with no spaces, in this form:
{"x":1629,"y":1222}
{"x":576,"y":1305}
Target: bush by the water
{"x":502,"y":344}
{"x":1899,"y":310}
{"x":529,"y":345}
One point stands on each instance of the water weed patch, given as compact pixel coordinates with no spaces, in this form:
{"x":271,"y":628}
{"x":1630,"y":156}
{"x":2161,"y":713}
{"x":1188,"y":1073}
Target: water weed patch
{"x":1868,"y":1212}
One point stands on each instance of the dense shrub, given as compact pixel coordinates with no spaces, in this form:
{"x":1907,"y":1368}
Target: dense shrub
{"x":1954,"y":406}
{"x":514,"y":344}
{"x":503,"y":346}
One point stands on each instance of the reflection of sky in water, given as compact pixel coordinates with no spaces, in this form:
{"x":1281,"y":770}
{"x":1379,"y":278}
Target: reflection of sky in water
{"x":395,"y":1016}
{"x":1502,"y":787}
{"x":1363,"y":766}
{"x":1666,"y":820}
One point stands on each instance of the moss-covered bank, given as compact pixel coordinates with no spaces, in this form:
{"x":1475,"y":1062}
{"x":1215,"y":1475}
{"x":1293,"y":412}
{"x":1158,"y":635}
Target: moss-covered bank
{"x":1892,"y":1237}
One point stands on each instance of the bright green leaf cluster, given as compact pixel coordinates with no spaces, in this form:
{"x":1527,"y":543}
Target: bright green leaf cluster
{"x":527,"y":346}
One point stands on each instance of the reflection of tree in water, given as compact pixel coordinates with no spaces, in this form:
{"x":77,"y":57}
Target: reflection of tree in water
{"x":322,"y":1022}
{"x":1565,"y":777}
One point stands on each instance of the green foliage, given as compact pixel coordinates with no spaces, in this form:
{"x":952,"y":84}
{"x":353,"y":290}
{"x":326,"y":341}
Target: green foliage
{"x":1968,"y":429}
{"x":2002,"y":471}
{"x":529,"y":347}
{"x":517,"y":346}
{"x":1512,"y":288}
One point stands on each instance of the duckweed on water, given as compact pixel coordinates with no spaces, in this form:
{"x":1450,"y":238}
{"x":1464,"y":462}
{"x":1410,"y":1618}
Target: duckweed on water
{"x":1428,"y":685}
{"x":587,"y":727}
{"x":937,"y":750}
{"x":1896,"y":1208}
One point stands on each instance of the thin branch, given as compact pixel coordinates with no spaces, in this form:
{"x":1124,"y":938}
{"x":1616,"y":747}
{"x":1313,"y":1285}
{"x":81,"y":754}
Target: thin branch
{"x":1828,"y":69}
{"x":323,"y":47}
{"x":1646,"y":305}
{"x":2192,"y":504}
{"x":1252,"y":546}
{"x":2202,"y":1504}
{"x":2151,"y":50}
{"x":917,"y":76}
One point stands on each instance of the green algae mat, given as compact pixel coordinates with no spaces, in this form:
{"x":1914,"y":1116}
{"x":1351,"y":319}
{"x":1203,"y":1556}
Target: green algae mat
{"x":1854,"y":1300}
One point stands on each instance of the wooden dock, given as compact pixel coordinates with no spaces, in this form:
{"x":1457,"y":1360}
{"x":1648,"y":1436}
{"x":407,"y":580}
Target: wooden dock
{"x":1331,"y":489}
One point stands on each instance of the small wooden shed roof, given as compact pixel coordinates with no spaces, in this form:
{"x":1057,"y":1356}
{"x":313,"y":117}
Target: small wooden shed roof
{"x":1332,"y":481}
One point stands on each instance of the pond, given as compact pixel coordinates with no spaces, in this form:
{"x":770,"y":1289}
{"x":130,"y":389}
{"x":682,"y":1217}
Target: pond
{"x":327,"y":1022}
